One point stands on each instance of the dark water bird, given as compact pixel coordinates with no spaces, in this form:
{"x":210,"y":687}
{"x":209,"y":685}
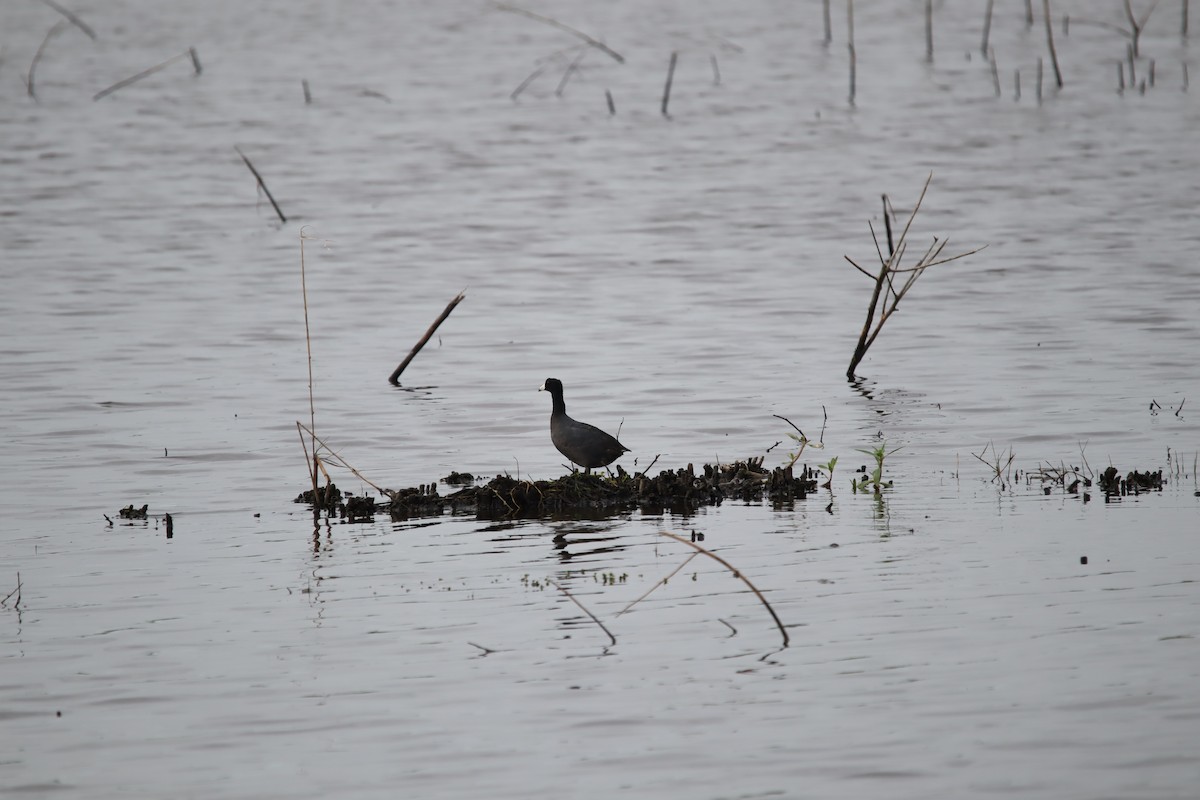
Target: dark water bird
{"x":585,"y":445}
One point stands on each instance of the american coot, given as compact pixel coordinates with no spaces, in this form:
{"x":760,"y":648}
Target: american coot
{"x":585,"y":445}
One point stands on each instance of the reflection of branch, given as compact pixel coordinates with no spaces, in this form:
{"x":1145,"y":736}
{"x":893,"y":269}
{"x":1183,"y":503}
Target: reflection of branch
{"x":736,"y":574}
{"x":571,"y":597}
{"x":556,"y":24}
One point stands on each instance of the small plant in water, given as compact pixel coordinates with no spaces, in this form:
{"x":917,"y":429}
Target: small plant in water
{"x":874,"y":478}
{"x":828,"y":468}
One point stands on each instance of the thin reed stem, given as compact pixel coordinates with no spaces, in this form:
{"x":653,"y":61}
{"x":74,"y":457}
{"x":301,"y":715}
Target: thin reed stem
{"x":312,"y":407}
{"x":189,"y":53}
{"x":79,"y":23}
{"x":850,"y":46}
{"x":660,"y":582}
{"x":987,"y":28}
{"x":666,"y":98}
{"x":1058,"y":79}
{"x":55,"y":29}
{"x":620,"y":59}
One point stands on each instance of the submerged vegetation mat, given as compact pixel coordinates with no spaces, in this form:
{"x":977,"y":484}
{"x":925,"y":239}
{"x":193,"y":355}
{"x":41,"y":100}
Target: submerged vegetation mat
{"x":678,"y":490}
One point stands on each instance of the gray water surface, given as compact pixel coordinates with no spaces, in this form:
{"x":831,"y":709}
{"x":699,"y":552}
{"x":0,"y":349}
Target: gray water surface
{"x":684,"y":277}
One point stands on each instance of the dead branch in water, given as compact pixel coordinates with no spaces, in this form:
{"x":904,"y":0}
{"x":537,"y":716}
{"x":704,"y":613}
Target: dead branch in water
{"x":556,"y":24}
{"x":888,"y":267}
{"x":660,"y":582}
{"x":55,"y":29}
{"x":568,"y":72}
{"x":850,"y":46}
{"x":929,"y":31}
{"x":189,"y":53}
{"x":394,"y":379}
{"x":263,"y":184}
{"x":987,"y":28}
{"x":582,"y":607}
{"x":1058,"y":79}
{"x":1137,"y":24}
{"x":335,"y":458}
{"x":737,"y":574}
{"x":667,"y":88}
{"x":72,"y":18}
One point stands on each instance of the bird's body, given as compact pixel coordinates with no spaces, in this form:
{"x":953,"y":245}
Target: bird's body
{"x":585,"y":445}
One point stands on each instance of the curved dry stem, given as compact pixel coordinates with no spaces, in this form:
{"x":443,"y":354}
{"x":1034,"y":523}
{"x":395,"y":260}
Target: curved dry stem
{"x":599,"y":45}
{"x":737,"y":574}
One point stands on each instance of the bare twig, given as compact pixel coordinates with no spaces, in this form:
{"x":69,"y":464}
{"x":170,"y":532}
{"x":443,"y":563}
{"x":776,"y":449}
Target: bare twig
{"x":17,"y":592}
{"x":394,"y":378}
{"x":532,"y":76}
{"x":661,"y":582}
{"x":850,"y":46}
{"x":570,"y":70}
{"x":263,"y":185}
{"x":1058,"y":79}
{"x":666,"y":98}
{"x":73,"y":18}
{"x":929,"y":31}
{"x":882,"y":305}
{"x":987,"y":28}
{"x":620,"y":59}
{"x":571,"y":597}
{"x":189,"y":53}
{"x":737,"y":574}
{"x":338,"y":460}
{"x":55,"y":29}
{"x":1137,"y":24}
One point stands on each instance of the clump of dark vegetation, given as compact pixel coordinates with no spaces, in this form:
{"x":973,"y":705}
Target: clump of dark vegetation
{"x":1135,"y":482}
{"x":678,"y":491}
{"x":129,"y":512}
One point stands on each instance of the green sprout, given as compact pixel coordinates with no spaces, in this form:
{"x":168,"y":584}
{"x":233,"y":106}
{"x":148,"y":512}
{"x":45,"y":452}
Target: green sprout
{"x":874,"y":478}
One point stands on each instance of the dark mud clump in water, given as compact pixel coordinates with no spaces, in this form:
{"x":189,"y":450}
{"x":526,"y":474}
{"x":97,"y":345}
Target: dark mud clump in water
{"x":1112,"y":483}
{"x":129,"y":512}
{"x":679,"y":490}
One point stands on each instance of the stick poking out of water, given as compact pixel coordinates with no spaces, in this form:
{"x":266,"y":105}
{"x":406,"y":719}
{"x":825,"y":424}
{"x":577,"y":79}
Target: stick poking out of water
{"x":189,"y":53}
{"x":56,"y":29}
{"x":394,"y":378}
{"x":72,"y":18}
{"x":737,"y":574}
{"x":596,"y":43}
{"x":850,"y":46}
{"x":667,"y":89}
{"x":261,"y":183}
{"x":1058,"y":79}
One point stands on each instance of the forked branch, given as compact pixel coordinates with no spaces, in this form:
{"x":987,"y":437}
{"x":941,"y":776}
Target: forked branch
{"x":884,"y":303}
